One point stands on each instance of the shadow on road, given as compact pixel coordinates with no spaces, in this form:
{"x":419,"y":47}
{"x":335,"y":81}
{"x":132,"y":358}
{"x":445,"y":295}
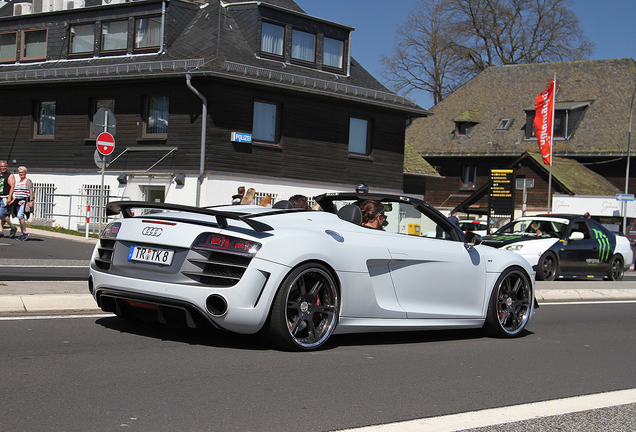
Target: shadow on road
{"x":222,"y":339}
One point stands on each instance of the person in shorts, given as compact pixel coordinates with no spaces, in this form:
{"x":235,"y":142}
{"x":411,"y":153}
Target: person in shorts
{"x":7,"y":182}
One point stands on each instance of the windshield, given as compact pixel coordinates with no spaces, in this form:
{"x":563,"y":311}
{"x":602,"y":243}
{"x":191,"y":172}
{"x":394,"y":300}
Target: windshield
{"x":534,"y":227}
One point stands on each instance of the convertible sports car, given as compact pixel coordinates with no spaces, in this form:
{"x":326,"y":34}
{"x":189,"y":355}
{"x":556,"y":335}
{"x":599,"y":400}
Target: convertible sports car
{"x":299,"y":276}
{"x":565,"y":246}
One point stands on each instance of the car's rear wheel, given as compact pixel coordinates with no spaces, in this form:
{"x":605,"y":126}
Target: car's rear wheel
{"x":306,"y":307}
{"x":616,"y":268}
{"x":510,"y":304}
{"x":548,"y":268}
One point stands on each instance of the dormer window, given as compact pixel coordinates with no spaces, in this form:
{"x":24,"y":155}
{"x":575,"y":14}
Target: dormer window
{"x":465,"y":122}
{"x":7,"y":47}
{"x":567,"y":116}
{"x":272,"y":37}
{"x":147,"y":33}
{"x":82,"y":39}
{"x":333,"y":53}
{"x":115,"y":36}
{"x":303,"y":46}
{"x":33,"y":44}
{"x":301,"y":40}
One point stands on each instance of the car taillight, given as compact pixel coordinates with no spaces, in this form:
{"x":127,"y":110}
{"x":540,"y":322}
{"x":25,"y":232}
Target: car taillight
{"x":227,"y":244}
{"x":111,"y":231}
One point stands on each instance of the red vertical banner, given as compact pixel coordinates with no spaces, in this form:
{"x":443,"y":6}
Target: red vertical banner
{"x":543,"y":119}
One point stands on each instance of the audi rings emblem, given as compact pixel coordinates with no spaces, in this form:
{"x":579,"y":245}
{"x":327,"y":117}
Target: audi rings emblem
{"x":152,"y":231}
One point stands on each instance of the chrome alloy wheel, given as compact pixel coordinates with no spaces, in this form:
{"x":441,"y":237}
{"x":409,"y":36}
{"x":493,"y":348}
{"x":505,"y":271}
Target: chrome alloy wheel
{"x":305,"y":311}
{"x":511,"y":303}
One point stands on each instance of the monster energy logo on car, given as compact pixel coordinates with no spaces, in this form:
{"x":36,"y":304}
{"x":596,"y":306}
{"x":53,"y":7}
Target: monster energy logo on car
{"x":603,"y":244}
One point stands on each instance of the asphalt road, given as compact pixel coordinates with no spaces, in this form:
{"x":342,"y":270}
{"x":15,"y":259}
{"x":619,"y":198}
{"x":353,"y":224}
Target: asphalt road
{"x":45,"y":257}
{"x":103,"y":373}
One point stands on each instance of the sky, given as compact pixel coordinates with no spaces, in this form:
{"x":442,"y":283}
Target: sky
{"x":608,"y":23}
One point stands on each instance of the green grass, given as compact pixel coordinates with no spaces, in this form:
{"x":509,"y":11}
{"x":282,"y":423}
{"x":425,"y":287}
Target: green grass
{"x":61,"y":230}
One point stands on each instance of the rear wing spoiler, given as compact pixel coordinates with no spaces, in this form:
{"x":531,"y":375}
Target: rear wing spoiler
{"x":125,"y":208}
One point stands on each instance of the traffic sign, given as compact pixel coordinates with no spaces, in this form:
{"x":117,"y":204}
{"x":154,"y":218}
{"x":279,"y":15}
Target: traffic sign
{"x":105,"y":143}
{"x":104,"y":121}
{"x":624,"y":197}
{"x":101,"y":160}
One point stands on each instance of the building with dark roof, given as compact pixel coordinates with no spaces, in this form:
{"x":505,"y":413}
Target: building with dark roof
{"x":188,"y":84}
{"x":488,"y":123}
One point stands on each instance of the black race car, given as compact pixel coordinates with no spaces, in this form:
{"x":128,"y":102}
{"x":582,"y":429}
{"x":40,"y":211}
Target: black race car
{"x":565,"y":246}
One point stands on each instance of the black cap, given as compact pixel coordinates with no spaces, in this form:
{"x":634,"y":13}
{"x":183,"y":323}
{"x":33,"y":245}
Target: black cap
{"x":362,"y":188}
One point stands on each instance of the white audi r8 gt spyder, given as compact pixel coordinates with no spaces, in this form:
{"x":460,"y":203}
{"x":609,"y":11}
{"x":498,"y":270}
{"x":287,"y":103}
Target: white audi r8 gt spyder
{"x":300,"y":276}
{"x":566,"y":246}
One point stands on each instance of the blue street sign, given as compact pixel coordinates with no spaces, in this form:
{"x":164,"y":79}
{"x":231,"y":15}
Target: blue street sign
{"x":241,"y":137}
{"x":624,"y":197}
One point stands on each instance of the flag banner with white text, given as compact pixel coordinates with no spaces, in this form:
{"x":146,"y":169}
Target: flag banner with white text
{"x":544,"y":108}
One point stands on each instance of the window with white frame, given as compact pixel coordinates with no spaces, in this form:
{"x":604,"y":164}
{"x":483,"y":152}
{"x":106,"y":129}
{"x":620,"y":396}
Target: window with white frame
{"x":272,"y":37}
{"x":82,"y":39}
{"x":114,"y":36}
{"x":333,"y":53}
{"x":8,"y":47}
{"x":504,"y":124}
{"x":265,"y":122}
{"x":359,"y":136}
{"x":303,"y":46}
{"x":147,"y":32}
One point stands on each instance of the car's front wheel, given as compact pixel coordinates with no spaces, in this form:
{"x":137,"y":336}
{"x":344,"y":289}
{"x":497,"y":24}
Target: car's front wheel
{"x":616,"y":268}
{"x":306,"y":307}
{"x":510,"y":304}
{"x":548,"y":268}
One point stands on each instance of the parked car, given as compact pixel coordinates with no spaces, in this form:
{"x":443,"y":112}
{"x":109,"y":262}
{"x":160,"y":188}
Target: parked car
{"x":300,"y":276}
{"x":475,"y":226}
{"x":559,"y":246}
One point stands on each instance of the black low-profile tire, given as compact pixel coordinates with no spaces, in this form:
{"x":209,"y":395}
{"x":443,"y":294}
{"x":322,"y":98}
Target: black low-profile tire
{"x":306,"y":308}
{"x":616,"y":268}
{"x":548,"y":268}
{"x":510,"y":305}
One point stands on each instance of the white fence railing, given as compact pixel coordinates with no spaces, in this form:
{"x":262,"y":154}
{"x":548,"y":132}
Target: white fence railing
{"x":71,"y":211}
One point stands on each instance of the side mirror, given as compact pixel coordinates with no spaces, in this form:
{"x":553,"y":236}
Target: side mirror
{"x":576,"y":235}
{"x":471,"y":240}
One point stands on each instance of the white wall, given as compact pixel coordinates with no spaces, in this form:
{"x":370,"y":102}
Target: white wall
{"x":217,"y":189}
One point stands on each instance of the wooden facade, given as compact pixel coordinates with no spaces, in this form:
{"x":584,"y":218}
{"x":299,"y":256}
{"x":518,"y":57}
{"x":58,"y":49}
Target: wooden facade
{"x":221,"y":56}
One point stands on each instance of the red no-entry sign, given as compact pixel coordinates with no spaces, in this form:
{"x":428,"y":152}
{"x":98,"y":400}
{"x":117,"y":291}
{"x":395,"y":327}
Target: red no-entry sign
{"x":105,"y":143}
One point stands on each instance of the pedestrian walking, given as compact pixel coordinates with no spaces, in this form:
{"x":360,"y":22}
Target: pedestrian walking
{"x":22,"y":201}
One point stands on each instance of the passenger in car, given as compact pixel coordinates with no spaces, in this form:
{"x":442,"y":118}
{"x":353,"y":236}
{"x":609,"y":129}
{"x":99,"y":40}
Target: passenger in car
{"x":299,"y":201}
{"x":249,"y":196}
{"x":372,"y":214}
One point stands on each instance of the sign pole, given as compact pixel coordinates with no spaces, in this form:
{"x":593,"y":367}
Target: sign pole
{"x":552,"y":144}
{"x":101,"y":204}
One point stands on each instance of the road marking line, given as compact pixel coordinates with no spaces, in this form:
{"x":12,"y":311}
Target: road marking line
{"x":498,"y":416}
{"x":41,"y":317}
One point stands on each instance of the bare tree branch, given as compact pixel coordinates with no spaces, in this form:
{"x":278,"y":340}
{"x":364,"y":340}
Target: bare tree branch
{"x":444,"y":43}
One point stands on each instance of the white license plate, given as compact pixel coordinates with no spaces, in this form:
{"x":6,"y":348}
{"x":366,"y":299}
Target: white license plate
{"x":151,"y":255}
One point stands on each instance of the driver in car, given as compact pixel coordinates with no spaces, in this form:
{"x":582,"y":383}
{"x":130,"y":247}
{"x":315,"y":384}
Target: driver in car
{"x":372,"y":214}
